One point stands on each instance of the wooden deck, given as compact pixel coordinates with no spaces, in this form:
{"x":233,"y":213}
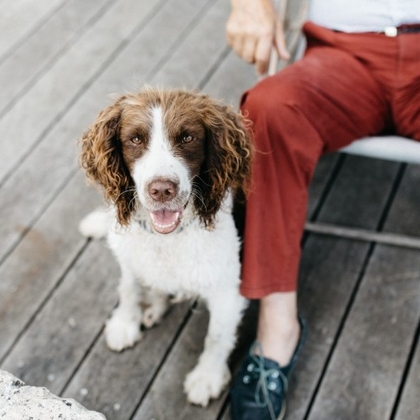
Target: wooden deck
{"x":59,"y":63}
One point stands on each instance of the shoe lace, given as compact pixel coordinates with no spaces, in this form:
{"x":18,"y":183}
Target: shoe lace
{"x":262,"y":397}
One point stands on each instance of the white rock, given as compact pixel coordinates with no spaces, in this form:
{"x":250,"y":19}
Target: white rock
{"x":22,"y":402}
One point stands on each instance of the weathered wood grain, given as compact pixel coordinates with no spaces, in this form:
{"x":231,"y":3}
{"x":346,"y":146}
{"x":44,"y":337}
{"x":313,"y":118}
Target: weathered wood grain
{"x":330,"y":269}
{"x":199,"y":53}
{"x":404,"y":218}
{"x":363,"y":195}
{"x":115,"y":383}
{"x":33,"y":185}
{"x":69,"y":322}
{"x":404,"y":214}
{"x":231,"y":78}
{"x":32,"y":271}
{"x":33,"y":57}
{"x":364,"y":375}
{"x":322,"y":176}
{"x":66,"y":80}
{"x":378,"y":332}
{"x":150,"y":50}
{"x":409,"y":405}
{"x":19,"y":18}
{"x":166,"y":399}
{"x":36,"y":184}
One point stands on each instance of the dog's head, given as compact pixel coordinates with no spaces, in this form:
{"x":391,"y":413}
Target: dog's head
{"x":163,"y":149}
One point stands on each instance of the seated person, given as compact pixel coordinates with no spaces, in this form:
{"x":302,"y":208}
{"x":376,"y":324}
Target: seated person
{"x":360,"y":76}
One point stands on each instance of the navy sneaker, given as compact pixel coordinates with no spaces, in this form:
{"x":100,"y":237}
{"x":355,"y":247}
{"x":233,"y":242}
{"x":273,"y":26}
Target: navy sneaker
{"x":259,"y":390}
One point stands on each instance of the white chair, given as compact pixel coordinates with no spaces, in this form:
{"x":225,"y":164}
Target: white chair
{"x":393,"y":148}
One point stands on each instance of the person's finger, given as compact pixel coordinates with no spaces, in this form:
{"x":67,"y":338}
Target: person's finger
{"x":248,"y":52}
{"x":234,"y":34}
{"x":262,"y":54}
{"x":236,"y":42}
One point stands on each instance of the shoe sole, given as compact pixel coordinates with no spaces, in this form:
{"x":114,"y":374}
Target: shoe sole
{"x":282,"y":412}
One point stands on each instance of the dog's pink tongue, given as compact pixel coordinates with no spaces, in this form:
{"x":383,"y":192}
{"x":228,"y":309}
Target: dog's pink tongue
{"x":165,"y":221}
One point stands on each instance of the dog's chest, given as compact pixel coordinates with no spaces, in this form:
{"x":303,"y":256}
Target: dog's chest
{"x":190,"y":261}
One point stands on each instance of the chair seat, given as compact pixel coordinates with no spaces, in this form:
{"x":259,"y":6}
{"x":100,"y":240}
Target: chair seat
{"x":386,"y":147}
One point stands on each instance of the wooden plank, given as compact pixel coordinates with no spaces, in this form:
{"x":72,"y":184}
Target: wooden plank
{"x":323,"y":173}
{"x":404,"y":219}
{"x":25,"y":64}
{"x":201,"y":51}
{"x":50,"y":350}
{"x":365,"y":372}
{"x":380,"y":328}
{"x":152,"y":50}
{"x":166,"y":399}
{"x":409,"y":406}
{"x":19,"y":18}
{"x":31,"y":273}
{"x":35,"y":182}
{"x":231,"y":79}
{"x":365,"y":198}
{"x":114,"y":383}
{"x":330,"y":269}
{"x":404,"y":215}
{"x":59,"y":88}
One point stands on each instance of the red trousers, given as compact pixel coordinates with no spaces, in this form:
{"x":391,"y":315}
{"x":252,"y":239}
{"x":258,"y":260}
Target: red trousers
{"x":347,"y":86}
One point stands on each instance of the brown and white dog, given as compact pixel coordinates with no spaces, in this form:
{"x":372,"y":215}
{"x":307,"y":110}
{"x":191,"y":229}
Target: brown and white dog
{"x":169,"y":162}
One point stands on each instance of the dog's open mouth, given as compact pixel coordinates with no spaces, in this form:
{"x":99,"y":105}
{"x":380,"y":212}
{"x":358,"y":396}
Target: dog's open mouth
{"x":165,"y":221}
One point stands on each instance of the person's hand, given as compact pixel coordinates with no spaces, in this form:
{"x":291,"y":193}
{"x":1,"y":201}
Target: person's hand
{"x":253,"y":28}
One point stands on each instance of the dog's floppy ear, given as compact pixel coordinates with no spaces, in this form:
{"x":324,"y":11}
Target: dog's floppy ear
{"x":228,"y":158}
{"x":101,"y":157}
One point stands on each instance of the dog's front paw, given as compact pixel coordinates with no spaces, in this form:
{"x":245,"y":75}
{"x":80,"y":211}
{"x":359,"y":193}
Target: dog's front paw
{"x":122,"y":332}
{"x":204,"y":383}
{"x":154,"y":313}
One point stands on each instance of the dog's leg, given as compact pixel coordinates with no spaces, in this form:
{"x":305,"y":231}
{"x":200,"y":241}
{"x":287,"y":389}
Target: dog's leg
{"x":123,"y":328}
{"x":211,"y":374}
{"x":155,"y":306}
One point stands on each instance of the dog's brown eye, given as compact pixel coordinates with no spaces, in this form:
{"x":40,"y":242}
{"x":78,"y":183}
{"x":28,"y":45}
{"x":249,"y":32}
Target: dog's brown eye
{"x":137,"y":140}
{"x":187,"y":138}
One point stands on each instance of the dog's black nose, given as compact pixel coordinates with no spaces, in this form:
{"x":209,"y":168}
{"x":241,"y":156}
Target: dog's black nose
{"x":163,"y":190}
